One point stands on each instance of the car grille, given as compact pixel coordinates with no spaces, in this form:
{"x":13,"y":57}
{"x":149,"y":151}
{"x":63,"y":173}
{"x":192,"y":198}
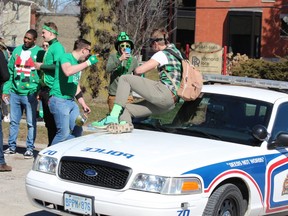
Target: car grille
{"x":94,"y":172}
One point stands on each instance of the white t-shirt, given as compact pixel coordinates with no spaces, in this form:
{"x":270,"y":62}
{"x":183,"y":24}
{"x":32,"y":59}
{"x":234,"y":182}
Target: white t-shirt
{"x":160,"y":57}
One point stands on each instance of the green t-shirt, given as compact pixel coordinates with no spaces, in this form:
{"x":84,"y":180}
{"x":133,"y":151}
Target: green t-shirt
{"x":65,"y":86}
{"x":51,"y":57}
{"x":24,"y":79}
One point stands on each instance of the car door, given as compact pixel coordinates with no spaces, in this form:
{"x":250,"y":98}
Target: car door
{"x":276,"y":191}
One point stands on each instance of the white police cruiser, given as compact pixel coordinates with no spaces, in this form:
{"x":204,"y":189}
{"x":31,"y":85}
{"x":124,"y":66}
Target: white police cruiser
{"x":224,"y":154}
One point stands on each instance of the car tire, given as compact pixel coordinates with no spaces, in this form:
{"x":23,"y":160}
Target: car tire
{"x":226,"y":200}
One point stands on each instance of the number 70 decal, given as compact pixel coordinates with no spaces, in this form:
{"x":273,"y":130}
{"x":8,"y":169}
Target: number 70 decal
{"x":50,"y":152}
{"x":185,"y":212}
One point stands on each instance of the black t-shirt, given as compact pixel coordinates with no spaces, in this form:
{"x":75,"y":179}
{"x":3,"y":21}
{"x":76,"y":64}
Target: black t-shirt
{"x":4,"y":73}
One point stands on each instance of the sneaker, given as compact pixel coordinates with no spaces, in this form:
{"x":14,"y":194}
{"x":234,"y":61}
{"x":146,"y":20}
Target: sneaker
{"x":6,"y":118}
{"x":28,"y":154}
{"x":120,"y":128}
{"x":105,"y":122}
{"x":10,"y":151}
{"x":5,"y":168}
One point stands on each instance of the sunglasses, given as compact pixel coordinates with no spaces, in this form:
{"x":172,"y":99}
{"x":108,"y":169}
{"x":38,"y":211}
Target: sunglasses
{"x":88,"y":49}
{"x":125,"y":46}
{"x":152,"y":40}
{"x":45,"y":46}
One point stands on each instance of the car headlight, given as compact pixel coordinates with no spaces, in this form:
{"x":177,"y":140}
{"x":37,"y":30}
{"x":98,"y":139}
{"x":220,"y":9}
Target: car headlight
{"x":45,"y":164}
{"x":166,"y":185}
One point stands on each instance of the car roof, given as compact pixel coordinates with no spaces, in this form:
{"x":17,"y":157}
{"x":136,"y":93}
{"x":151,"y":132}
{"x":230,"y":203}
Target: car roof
{"x":247,"y":92}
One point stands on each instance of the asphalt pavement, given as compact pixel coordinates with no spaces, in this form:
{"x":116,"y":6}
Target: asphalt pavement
{"x":13,"y":198}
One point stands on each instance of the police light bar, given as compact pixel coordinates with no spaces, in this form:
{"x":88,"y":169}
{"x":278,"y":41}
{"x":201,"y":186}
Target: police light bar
{"x":236,"y":80}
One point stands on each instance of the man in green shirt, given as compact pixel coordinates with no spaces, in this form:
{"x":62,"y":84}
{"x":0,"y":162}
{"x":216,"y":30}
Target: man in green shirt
{"x":66,"y":86}
{"x":22,"y":88}
{"x":52,"y":55}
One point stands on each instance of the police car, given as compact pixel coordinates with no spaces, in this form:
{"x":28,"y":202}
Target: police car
{"x":224,"y":154}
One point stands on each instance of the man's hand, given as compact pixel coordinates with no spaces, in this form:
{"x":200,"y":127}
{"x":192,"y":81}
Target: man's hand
{"x":92,"y":60}
{"x":5,"y":97}
{"x":37,"y":65}
{"x":86,"y":109}
{"x":124,"y":56}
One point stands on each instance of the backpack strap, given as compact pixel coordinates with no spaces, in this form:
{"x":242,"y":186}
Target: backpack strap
{"x":172,"y":52}
{"x":179,"y":59}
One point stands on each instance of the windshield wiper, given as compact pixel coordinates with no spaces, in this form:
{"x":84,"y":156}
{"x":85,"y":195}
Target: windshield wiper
{"x":153,"y":127}
{"x":190,"y":131}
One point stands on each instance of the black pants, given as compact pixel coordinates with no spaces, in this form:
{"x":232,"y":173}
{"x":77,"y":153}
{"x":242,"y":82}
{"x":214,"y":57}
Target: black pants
{"x":4,"y":107}
{"x":48,"y":117}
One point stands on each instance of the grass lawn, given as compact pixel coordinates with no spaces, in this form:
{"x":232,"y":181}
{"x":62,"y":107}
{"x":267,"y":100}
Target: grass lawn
{"x":99,"y":109}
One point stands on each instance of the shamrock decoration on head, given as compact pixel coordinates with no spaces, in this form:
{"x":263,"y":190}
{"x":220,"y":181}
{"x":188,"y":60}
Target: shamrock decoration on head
{"x":123,"y":41}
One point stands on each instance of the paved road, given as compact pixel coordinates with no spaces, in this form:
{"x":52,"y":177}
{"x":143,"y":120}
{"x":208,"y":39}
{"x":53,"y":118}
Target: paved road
{"x":13,"y":199}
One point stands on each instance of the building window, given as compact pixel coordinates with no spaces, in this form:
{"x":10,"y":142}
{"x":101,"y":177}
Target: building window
{"x":244,"y":32}
{"x":284,"y":25}
{"x":186,"y":4}
{"x":268,"y":0}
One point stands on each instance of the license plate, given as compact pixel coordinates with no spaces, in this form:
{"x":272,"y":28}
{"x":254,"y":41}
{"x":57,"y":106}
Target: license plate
{"x":78,"y":204}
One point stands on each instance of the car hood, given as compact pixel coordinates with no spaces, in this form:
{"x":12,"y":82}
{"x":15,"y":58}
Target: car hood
{"x":157,"y":152}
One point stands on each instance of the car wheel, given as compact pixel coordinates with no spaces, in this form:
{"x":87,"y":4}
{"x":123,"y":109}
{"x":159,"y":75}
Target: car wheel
{"x":226,"y":200}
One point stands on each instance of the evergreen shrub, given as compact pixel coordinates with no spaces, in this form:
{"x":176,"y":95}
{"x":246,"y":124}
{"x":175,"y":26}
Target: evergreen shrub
{"x":260,"y":68}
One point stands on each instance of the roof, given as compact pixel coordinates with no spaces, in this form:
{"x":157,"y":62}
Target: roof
{"x":247,"y":92}
{"x":43,"y":10}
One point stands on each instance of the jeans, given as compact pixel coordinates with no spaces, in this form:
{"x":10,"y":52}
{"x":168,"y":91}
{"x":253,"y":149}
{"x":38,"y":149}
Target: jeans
{"x":65,"y":113}
{"x":18,"y":104}
{"x":2,"y":159}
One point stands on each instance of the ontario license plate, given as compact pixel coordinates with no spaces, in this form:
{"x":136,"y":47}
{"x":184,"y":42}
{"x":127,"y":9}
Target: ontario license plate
{"x":78,"y":204}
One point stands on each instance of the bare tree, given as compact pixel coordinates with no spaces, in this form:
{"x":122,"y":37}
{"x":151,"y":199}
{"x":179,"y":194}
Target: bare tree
{"x":139,"y":17}
{"x":54,"y":5}
{"x":100,"y":21}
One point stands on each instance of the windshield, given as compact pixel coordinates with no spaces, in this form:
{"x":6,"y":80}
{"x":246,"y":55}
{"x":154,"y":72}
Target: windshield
{"x":213,"y":116}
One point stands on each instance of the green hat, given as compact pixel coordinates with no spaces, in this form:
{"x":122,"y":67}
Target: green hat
{"x":123,"y":37}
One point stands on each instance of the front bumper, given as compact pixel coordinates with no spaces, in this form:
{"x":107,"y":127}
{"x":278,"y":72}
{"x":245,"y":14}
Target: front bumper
{"x":46,"y":192}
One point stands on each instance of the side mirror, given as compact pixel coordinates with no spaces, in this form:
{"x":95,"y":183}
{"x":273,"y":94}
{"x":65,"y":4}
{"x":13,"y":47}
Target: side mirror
{"x":281,"y":141}
{"x":259,"y":132}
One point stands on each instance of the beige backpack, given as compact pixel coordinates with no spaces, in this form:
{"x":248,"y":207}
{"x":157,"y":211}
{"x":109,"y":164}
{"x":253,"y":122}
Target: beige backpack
{"x":191,"y":81}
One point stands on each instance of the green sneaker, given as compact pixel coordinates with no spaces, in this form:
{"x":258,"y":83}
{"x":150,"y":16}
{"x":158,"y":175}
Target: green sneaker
{"x":105,"y":122}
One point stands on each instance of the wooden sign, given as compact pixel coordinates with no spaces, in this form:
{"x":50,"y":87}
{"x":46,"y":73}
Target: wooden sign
{"x":206,"y":57}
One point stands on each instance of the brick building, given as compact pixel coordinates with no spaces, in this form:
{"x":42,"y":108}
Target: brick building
{"x":16,"y":17}
{"x":258,"y":28}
